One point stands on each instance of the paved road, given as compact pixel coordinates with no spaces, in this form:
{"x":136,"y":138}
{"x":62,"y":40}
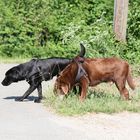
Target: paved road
{"x":30,"y":121}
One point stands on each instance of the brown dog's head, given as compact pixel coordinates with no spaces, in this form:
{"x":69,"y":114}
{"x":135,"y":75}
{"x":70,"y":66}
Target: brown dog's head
{"x":67,"y":78}
{"x":60,"y":87}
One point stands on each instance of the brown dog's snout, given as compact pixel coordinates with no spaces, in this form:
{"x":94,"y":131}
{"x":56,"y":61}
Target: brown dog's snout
{"x":55,"y":91}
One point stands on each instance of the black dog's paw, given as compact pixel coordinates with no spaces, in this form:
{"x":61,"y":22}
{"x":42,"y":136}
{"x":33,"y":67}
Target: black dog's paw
{"x":20,"y":99}
{"x":37,"y":100}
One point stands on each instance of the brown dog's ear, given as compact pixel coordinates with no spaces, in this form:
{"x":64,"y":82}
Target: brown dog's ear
{"x":65,"y":89}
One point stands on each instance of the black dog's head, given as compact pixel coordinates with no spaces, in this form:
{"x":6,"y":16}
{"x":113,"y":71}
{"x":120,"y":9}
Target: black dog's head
{"x":12,"y":75}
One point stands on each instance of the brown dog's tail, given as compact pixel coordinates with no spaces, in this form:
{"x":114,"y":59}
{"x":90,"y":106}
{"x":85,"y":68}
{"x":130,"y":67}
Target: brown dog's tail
{"x":83,"y":50}
{"x":130,"y":80}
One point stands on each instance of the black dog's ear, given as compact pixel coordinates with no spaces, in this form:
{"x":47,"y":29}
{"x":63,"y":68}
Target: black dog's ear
{"x":16,"y":73}
{"x":83,"y":50}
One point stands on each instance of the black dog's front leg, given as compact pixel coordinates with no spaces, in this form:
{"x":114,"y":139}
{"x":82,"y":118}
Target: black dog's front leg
{"x":27,"y":93}
{"x":39,"y":89}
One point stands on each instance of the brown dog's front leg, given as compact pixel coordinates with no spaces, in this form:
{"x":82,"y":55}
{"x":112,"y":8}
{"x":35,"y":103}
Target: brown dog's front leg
{"x":84,"y":86}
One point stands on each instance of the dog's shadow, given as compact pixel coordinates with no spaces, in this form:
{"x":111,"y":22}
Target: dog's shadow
{"x":30,"y":98}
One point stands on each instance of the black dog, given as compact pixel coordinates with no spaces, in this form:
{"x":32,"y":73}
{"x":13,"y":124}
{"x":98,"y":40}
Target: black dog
{"x":36,"y":71}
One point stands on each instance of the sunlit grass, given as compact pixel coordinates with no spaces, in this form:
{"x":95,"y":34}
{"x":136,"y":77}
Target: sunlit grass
{"x":105,"y":99}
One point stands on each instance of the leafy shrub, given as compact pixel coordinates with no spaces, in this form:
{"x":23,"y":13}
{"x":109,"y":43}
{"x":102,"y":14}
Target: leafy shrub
{"x":39,"y":28}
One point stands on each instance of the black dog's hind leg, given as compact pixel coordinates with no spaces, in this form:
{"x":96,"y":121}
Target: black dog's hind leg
{"x":27,"y":93}
{"x":74,"y":90}
{"x":39,"y":89}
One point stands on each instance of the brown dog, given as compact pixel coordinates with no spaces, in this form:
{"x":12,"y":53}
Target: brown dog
{"x":93,"y":72}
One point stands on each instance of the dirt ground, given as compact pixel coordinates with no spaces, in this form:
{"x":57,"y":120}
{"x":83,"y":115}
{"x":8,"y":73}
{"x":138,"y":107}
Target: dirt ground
{"x":27,"y":120}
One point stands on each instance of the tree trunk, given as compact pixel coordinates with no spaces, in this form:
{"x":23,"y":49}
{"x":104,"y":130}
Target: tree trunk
{"x":120,"y":19}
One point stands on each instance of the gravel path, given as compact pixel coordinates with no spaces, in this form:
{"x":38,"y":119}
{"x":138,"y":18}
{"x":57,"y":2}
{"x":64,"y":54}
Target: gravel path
{"x":30,"y":121}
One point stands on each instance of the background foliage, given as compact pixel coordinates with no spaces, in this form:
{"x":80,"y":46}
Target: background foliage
{"x":47,"y":28}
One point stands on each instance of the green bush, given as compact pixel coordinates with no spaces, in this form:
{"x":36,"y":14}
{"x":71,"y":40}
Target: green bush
{"x":45,"y":28}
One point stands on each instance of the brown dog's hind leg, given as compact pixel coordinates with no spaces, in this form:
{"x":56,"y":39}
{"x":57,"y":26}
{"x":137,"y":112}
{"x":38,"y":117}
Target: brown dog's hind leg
{"x":122,"y":89}
{"x":125,"y":93}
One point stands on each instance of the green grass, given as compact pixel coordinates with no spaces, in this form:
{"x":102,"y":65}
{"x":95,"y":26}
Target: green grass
{"x":103,"y":99}
{"x":13,"y":60}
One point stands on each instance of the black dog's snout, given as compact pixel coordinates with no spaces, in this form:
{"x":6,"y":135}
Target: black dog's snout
{"x":5,"y":83}
{"x":2,"y":82}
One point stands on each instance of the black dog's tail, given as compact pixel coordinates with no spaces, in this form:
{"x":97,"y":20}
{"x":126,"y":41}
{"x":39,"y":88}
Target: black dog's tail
{"x":83,"y":50}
